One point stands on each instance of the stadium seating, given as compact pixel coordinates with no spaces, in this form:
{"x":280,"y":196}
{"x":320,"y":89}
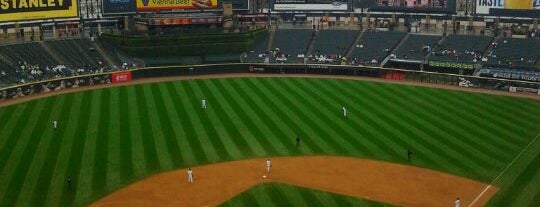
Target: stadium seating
{"x":516,"y":53}
{"x":31,"y":53}
{"x":292,"y":41}
{"x":334,"y":42}
{"x":375,"y":45}
{"x":413,"y":47}
{"x":466,"y":48}
{"x":260,"y":47}
{"x":79,"y":53}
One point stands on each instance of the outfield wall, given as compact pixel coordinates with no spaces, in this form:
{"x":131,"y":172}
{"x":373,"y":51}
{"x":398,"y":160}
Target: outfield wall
{"x":48,"y":86}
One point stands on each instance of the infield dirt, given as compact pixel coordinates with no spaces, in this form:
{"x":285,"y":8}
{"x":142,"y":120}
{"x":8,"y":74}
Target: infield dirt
{"x":373,"y":180}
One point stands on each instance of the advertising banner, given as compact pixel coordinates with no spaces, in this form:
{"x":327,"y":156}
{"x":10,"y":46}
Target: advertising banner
{"x":311,"y":5}
{"x":119,"y":6}
{"x":121,"y":77}
{"x":484,"y":6}
{"x":157,"y":5}
{"x":414,"y":5}
{"x":21,"y":10}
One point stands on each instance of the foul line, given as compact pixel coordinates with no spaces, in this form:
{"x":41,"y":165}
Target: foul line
{"x":504,"y":170}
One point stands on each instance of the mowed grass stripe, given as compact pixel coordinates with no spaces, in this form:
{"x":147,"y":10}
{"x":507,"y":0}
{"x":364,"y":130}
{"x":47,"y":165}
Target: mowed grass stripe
{"x":419,"y":142}
{"x":224,"y":124}
{"x":41,"y":188}
{"x":200,"y":133}
{"x":190,"y":150}
{"x":451,"y":133}
{"x":37,"y":158}
{"x":17,"y":177}
{"x":362,"y":127}
{"x":7,"y":137}
{"x":166,"y":125}
{"x":378,"y":118}
{"x":274,"y":125}
{"x":57,"y":181}
{"x":238,"y":118}
{"x":9,"y":116}
{"x":277,"y":198}
{"x":258,"y":128}
{"x":321,"y":134}
{"x":219,"y":139}
{"x":85,"y":180}
{"x":333,"y":120}
{"x":470,"y":121}
{"x":434,"y":134}
{"x":151,"y":159}
{"x":99,"y":169}
{"x":114,"y":148}
{"x":125,"y":135}
{"x":309,"y":137}
{"x":77,"y":149}
{"x":492,"y":108}
{"x":293,"y":195}
{"x":138,"y":156}
{"x":485,"y":143}
{"x":157,"y":123}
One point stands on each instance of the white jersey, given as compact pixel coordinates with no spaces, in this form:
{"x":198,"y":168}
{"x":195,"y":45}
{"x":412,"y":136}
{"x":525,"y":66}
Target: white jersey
{"x":344,"y":111}
{"x":458,"y":203}
{"x":55,"y":124}
{"x":203,"y":103}
{"x":268,"y":165}
{"x":190,"y":175}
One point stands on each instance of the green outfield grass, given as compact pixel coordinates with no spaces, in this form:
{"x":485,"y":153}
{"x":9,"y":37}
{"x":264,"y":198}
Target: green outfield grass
{"x":112,"y":137}
{"x":275,"y":195}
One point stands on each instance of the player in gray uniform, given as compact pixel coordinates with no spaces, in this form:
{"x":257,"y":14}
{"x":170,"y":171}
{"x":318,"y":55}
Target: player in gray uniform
{"x":203,"y":103}
{"x":344,"y":111}
{"x":190,"y":175}
{"x":268,"y":166}
{"x":55,"y":125}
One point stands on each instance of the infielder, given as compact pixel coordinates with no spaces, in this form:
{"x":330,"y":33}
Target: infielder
{"x":344,"y":111}
{"x":190,"y":175}
{"x":458,"y":202}
{"x":55,"y":125}
{"x":268,"y":165}
{"x":203,"y":103}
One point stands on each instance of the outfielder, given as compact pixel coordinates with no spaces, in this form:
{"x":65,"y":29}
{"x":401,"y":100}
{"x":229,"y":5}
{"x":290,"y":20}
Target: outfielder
{"x":268,"y":165}
{"x":55,"y":125}
{"x":203,"y":103}
{"x":190,"y":175}
{"x":344,"y":111}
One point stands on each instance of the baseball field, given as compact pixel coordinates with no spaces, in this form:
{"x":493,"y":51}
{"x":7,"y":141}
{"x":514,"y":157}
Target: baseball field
{"x":110,"y":138}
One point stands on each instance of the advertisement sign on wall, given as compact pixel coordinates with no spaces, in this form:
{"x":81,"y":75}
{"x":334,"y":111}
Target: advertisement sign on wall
{"x":20,"y":10}
{"x":311,"y":5}
{"x":119,"y":6}
{"x":157,"y":5}
{"x":484,"y":6}
{"x":121,"y":77}
{"x":414,"y":5}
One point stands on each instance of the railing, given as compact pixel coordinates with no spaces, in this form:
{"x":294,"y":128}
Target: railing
{"x":342,"y":70}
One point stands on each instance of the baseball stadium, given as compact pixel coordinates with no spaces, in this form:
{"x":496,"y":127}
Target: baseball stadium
{"x":422,"y":103}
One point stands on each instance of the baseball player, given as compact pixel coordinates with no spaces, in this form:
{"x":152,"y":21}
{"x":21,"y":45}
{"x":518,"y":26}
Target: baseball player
{"x":203,"y":103}
{"x":458,"y":202}
{"x":268,"y":165}
{"x":55,"y":125}
{"x":190,"y":175}
{"x":409,"y":155}
{"x":344,"y":111}
{"x":69,"y":182}
{"x":297,"y":141}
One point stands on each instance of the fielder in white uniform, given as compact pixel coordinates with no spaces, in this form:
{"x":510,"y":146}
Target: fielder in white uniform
{"x":55,"y":125}
{"x":458,"y":202}
{"x":268,"y":165}
{"x":203,"y":103}
{"x":190,"y":175}
{"x":344,"y":111}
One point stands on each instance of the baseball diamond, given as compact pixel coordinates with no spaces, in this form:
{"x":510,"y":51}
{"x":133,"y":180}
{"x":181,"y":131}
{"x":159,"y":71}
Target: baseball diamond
{"x":111,"y":138}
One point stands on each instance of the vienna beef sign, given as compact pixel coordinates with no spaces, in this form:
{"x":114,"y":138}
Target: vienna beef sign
{"x":17,"y":10}
{"x":157,"y":5}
